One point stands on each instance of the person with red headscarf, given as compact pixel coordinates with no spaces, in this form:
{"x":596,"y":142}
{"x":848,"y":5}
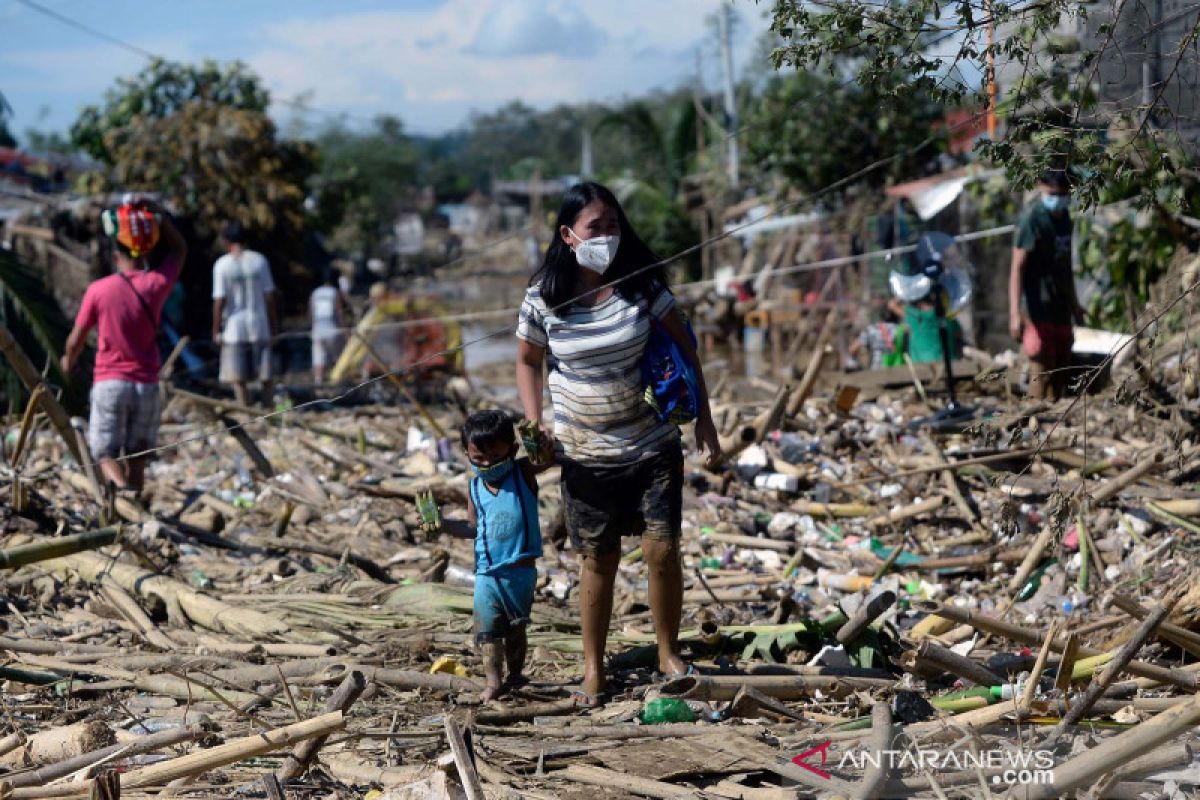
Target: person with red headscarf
{"x":126,"y":308}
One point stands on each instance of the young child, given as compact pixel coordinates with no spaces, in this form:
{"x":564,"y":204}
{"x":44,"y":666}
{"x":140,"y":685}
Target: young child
{"x":502,"y":516}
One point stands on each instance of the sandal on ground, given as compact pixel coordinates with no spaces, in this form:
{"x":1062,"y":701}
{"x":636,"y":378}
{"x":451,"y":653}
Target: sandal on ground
{"x":664,"y":677}
{"x":585,"y":699}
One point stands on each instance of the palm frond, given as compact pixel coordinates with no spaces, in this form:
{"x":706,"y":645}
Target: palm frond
{"x":37,"y":322}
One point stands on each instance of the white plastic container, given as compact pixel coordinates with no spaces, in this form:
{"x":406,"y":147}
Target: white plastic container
{"x":776,"y":481}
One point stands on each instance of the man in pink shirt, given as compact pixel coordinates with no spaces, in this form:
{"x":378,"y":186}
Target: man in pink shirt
{"x":126,"y":307}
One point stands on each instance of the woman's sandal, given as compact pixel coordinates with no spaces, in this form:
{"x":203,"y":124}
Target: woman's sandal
{"x":585,"y":699}
{"x":664,"y":677}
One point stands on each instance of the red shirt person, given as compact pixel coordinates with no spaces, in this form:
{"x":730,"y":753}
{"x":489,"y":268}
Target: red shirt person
{"x":125,"y":308}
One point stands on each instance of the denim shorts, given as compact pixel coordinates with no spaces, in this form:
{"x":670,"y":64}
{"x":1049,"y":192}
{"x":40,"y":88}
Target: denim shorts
{"x":603,"y":503}
{"x":123,"y":419}
{"x":503,"y":601}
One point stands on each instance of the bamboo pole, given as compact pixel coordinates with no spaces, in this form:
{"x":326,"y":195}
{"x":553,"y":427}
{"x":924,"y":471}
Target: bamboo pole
{"x":741,"y":540}
{"x":1186,"y":508}
{"x":400,"y":387}
{"x":879,"y":769}
{"x":759,"y":427}
{"x":348,"y":691}
{"x":11,"y":742}
{"x":230,"y":405}
{"x":368,"y":566}
{"x":943,"y":659}
{"x":1095,"y":761}
{"x":1039,"y":666}
{"x":950,"y":482}
{"x":129,"y":608}
{"x":908,"y":512}
{"x":198,"y":607}
{"x":26,"y":426}
{"x":1034,"y":638}
{"x":809,"y":378}
{"x":780,"y":687}
{"x":46,"y":549}
{"x":1176,"y":634}
{"x":977,"y":461}
{"x":232,"y":752}
{"x":143,"y":744}
{"x":403,"y":679}
{"x":32,"y":379}
{"x":870,"y":610}
{"x":1031,"y":559}
{"x":243,"y":438}
{"x":467,"y":774}
{"x":611,"y":779}
{"x":1114,"y":486}
{"x":832,"y":509}
{"x":1097,"y":687}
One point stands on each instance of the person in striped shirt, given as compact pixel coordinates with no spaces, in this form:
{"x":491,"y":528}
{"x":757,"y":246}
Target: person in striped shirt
{"x":587,"y":315}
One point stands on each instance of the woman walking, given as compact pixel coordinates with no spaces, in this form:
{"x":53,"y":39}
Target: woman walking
{"x":592,"y":307}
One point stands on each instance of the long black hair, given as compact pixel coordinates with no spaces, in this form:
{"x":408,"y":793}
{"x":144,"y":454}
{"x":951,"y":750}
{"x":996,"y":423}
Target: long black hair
{"x":556,"y":277}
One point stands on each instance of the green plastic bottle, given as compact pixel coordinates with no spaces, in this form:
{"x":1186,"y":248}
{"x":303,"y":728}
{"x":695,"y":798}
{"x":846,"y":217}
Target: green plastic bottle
{"x":1035,"y":581}
{"x":667,"y":709}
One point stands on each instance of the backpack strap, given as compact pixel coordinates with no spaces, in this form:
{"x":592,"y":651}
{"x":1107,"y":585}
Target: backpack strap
{"x":141,"y":300}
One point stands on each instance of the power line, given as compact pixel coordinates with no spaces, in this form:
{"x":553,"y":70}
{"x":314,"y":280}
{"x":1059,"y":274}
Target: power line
{"x":49,"y":12}
{"x":507,"y":330}
{"x":293,"y":103}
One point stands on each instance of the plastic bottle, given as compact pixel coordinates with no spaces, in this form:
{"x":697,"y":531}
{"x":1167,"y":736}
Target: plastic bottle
{"x":777,"y":481}
{"x":459,"y":576}
{"x":793,"y":447}
{"x":243,"y":473}
{"x":1035,"y":581}
{"x":667,"y":709}
{"x":1008,"y":691}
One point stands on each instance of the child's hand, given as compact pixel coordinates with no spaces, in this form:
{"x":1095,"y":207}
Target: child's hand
{"x":539,"y":443}
{"x":431,"y":516}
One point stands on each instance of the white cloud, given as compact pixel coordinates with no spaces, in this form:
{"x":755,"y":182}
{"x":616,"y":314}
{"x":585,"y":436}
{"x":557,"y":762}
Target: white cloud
{"x":533,"y":27}
{"x":433,"y":66}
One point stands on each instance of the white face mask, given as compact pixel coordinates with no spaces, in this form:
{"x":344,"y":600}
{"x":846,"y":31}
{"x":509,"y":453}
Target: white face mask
{"x":596,"y":254}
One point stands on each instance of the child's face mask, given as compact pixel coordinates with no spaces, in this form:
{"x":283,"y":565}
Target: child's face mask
{"x":494,"y":473}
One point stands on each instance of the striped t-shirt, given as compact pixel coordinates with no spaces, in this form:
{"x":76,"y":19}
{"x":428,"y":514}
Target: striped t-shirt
{"x":595,"y":359}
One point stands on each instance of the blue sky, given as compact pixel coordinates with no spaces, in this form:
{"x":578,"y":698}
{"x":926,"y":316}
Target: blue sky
{"x":431,"y":62}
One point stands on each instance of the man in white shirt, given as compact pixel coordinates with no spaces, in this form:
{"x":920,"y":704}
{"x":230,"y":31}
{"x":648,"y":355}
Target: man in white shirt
{"x":244,"y":296}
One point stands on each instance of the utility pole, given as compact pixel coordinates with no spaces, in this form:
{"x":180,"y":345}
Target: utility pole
{"x":706,"y":268}
{"x":585,"y":160}
{"x":731,"y":117}
{"x":991,"y":72}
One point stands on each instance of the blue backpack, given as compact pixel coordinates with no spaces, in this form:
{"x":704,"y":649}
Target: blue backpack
{"x":672,"y":388}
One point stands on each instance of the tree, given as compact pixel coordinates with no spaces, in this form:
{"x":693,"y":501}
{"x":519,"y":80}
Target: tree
{"x":47,"y":142}
{"x":660,"y":138}
{"x":855,"y":126}
{"x":364,"y":181}
{"x":201,"y":136}
{"x":1056,"y":111}
{"x":1075,"y":97}
{"x":6,"y":137}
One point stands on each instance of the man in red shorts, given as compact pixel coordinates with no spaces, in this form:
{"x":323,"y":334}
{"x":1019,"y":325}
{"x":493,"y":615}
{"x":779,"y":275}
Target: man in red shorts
{"x":1041,"y":277}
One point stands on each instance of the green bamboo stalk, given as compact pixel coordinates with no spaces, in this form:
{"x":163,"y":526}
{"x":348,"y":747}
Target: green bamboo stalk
{"x":33,"y":552}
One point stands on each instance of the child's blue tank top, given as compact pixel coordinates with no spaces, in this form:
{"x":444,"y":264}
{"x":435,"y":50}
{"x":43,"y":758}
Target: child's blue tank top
{"x":506,"y":528}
